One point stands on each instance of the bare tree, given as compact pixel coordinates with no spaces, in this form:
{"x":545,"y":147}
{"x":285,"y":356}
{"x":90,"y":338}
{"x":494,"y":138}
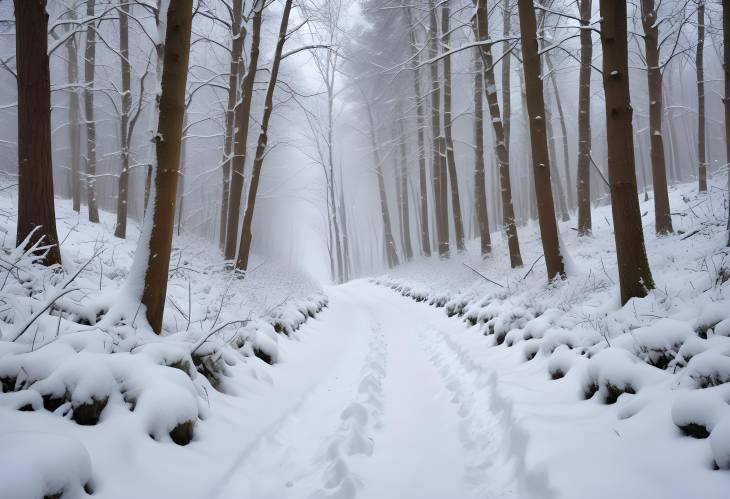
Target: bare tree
{"x":508,"y":212}
{"x":633,"y":266}
{"x":156,"y":257}
{"x":480,"y":186}
{"x":73,"y":113}
{"x":89,"y":65}
{"x":36,"y":210}
{"x":244,"y":248}
{"x":538,"y":140}
{"x":584,"y":121}
{"x":438,"y":166}
{"x":701,"y":120}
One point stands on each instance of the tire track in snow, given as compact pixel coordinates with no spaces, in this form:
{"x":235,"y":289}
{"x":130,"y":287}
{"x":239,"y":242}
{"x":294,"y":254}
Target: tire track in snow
{"x":480,"y":430}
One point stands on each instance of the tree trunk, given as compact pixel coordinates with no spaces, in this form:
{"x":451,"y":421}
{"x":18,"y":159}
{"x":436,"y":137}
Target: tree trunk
{"x":89,"y":64}
{"x":345,"y":236}
{"x":389,"y":242}
{"x":331,"y":164}
{"x":74,"y":116}
{"x":726,"y":100}
{"x":241,"y":121}
{"x":36,"y":210}
{"x":508,"y":212}
{"x":448,"y":139}
{"x":564,"y":131}
{"x":438,"y":165}
{"x":506,"y":74}
{"x":244,"y":248}
{"x":584,"y":122}
{"x":555,"y":179}
{"x":404,"y":210}
{"x":237,"y":37}
{"x":167,"y":146}
{"x":122,"y":195}
{"x":480,"y":186}
{"x":654,"y":79}
{"x":421,"y":124}
{"x":538,"y":140}
{"x":633,"y":266}
{"x":701,"y":123}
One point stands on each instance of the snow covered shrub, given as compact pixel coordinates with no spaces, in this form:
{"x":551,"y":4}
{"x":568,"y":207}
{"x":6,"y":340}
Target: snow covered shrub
{"x":712,"y":314}
{"x":657,"y":344}
{"x":709,"y":368}
{"x":697,"y":412}
{"x":613,"y":372}
{"x":720,"y":442}
{"x":560,"y":362}
{"x":43,"y":465}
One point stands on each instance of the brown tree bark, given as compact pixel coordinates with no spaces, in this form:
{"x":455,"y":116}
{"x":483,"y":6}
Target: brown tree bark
{"x":240,"y":141}
{"x":633,"y":266}
{"x":701,"y":121}
{"x":167,"y":146}
{"x":438,"y":164}
{"x":244,"y":248}
{"x":448,"y":139}
{"x":404,"y":209}
{"x":726,"y":100}
{"x":421,"y":124}
{"x":235,"y":71}
{"x":36,"y":210}
{"x":654,"y":80}
{"x":584,"y":121}
{"x":506,"y":74}
{"x":508,"y":211}
{"x":480,"y":186}
{"x":122,"y":194}
{"x":89,"y":66}
{"x":538,"y":140}
{"x":390,"y":250}
{"x":74,"y":116}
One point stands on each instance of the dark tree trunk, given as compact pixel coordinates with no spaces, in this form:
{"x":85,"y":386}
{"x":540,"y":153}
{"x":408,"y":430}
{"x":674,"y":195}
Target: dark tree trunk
{"x":633,"y":266}
{"x":584,"y":122}
{"x":36,"y":210}
{"x":448,"y":139}
{"x":701,"y":123}
{"x":438,"y":164}
{"x":421,"y":124}
{"x":74,"y":116}
{"x":480,"y":186}
{"x":167,"y":146}
{"x":654,"y":79}
{"x":89,"y":65}
{"x":235,"y":70}
{"x":506,"y":74}
{"x":122,"y":195}
{"x":241,"y":121}
{"x":404,"y":210}
{"x":508,"y":212}
{"x":726,"y":100}
{"x":538,"y":140}
{"x":244,"y":248}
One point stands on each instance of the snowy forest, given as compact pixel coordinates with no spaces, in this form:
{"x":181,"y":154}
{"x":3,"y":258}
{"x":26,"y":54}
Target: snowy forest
{"x":372,"y":249}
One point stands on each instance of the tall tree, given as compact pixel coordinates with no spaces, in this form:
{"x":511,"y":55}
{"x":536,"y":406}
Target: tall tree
{"x":438,"y":163}
{"x":633,"y":266}
{"x":405,"y":217}
{"x":420,"y":132}
{"x":241,"y":119}
{"x":538,"y":140}
{"x":122,"y":195}
{"x":89,"y":66}
{"x":701,"y":121}
{"x":508,"y":211}
{"x":584,"y":121}
{"x":153,"y":256}
{"x":36,"y":210}
{"x":234,"y":72}
{"x":480,"y":186}
{"x":448,"y":139}
{"x":244,"y":248}
{"x":654,"y":79}
{"x":726,"y":100}
{"x":72,"y":54}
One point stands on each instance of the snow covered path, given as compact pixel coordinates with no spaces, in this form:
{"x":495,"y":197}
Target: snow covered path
{"x":395,"y":414}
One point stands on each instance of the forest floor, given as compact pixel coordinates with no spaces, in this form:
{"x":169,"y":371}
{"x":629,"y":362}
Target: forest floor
{"x":428,"y":383}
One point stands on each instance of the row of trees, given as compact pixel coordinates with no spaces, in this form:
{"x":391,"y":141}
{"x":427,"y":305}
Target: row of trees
{"x":416,"y":71}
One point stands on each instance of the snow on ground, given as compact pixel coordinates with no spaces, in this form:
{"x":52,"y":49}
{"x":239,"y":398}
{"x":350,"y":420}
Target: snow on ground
{"x":522,"y":389}
{"x":104,"y":398}
{"x":603,"y":400}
